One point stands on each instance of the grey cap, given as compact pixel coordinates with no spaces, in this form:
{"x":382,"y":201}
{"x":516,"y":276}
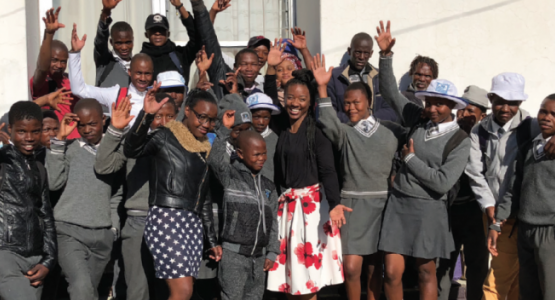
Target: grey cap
{"x":236,"y":103}
{"x":476,"y":96}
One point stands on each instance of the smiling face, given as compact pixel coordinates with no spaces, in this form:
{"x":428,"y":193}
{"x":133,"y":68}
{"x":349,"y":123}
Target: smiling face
{"x":249,"y":67}
{"x":157,"y":36}
{"x":422,"y":77}
{"x":297,"y":101}
{"x":91,"y":123}
{"x":356,"y":106}
{"x":122,"y":42}
{"x":164,"y":115}
{"x":201,"y":118}
{"x":26,"y":135}
{"x":253,"y":154}
{"x":360,"y":53}
{"x":438,"y":110}
{"x":546,"y":118}
{"x":140,"y":72}
{"x":503,"y":111}
{"x":284,"y":72}
{"x":50,"y":128}
{"x":58,"y":62}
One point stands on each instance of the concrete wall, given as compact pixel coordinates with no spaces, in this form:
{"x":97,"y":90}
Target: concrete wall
{"x":308,"y":18}
{"x":472,"y":40}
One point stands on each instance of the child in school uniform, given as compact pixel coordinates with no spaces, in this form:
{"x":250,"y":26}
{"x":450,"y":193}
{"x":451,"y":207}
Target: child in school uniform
{"x":249,"y":235}
{"x":531,"y":200}
{"x":415,"y":221}
{"x":262,"y":108}
{"x":367,"y":147}
{"x":86,"y":214}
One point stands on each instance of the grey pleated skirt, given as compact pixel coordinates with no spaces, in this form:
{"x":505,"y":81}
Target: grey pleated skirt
{"x":361,"y":234}
{"x":416,"y":227}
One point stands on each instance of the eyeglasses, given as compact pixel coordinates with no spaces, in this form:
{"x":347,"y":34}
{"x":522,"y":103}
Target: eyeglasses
{"x":203,"y":119}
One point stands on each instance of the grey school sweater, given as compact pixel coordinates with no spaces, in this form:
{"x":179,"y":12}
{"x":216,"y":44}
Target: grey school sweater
{"x":86,"y":198}
{"x":111,"y":158}
{"x":424,"y":175}
{"x":366,"y":152}
{"x":271,"y":140}
{"x":532,"y":192}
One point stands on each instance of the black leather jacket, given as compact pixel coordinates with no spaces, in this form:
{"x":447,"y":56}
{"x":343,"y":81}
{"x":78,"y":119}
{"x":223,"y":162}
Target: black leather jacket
{"x":178,"y":178}
{"x":26,"y":219}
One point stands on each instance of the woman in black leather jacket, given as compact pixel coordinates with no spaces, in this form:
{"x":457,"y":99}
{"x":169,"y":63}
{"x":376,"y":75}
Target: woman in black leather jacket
{"x":178,"y":185}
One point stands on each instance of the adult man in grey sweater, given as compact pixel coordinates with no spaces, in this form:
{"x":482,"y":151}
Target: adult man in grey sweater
{"x":86,"y":219}
{"x":531,"y":200}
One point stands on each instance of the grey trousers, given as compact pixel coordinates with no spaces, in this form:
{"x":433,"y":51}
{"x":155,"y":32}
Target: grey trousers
{"x":13,"y":284}
{"x":83,"y":254}
{"x":536,"y":255}
{"x":241,"y":277}
{"x":467,"y":227}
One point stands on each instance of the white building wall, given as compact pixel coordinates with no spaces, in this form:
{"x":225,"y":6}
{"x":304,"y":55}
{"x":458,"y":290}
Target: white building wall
{"x":472,"y":40}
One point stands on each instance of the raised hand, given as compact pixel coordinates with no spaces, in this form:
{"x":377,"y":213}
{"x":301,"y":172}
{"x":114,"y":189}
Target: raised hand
{"x":408,"y":148}
{"x":121,"y":114}
{"x":202,"y":61}
{"x":51,"y":21}
{"x":110,"y":4}
{"x":4,"y":137}
{"x":151,"y":106}
{"x":337,"y":215}
{"x":76,"y":43}
{"x":384,"y":39}
{"x":319,"y":70}
{"x":67,"y":125}
{"x":203,"y":82}
{"x":58,"y":97}
{"x":231,"y":82}
{"x":276,"y":51}
{"x":299,"y":38}
{"x":220,"y":5}
{"x":175,"y":3}
{"x":228,"y":118}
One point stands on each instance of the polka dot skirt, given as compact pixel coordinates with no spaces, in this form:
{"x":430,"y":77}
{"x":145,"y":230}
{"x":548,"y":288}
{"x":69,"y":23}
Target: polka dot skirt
{"x":175,"y":239}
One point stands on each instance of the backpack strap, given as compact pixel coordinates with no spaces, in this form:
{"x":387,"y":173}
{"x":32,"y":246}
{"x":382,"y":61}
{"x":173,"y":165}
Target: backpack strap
{"x":483,"y":136}
{"x":453,"y":143}
{"x":107,"y":71}
{"x":122,"y":93}
{"x":176,"y":62}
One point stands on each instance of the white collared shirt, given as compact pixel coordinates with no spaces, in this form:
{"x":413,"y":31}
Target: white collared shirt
{"x":539,"y":145}
{"x":266,"y":132}
{"x":495,"y":127}
{"x":88,"y":146}
{"x":124,"y":63}
{"x":367,"y":126}
{"x":105,"y":96}
{"x":437,"y":130}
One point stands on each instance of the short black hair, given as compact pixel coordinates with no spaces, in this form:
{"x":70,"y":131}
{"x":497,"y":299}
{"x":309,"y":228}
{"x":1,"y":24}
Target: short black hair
{"x":57,"y":44}
{"x":141,"y":57}
{"x":196,"y":95}
{"x":120,"y":27}
{"x":88,"y":103}
{"x":47,"y":113}
{"x":161,"y":96}
{"x":363,"y":88}
{"x":24,"y":110}
{"x":239,"y":54}
{"x":360,"y":37}
{"x":424,"y":60}
{"x":550,"y":97}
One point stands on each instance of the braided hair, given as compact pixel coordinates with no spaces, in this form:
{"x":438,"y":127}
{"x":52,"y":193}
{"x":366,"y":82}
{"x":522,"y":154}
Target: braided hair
{"x":424,"y":60}
{"x":305,"y":77}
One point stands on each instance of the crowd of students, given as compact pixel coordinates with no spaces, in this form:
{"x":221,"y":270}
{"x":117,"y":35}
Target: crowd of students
{"x":285,"y":180}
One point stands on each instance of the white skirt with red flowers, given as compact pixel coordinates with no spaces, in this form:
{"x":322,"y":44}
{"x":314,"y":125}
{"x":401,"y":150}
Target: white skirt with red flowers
{"x":310,"y":257}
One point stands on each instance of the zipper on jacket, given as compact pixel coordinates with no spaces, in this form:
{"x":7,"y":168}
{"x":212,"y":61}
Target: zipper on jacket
{"x":259,"y":216}
{"x":9,"y":231}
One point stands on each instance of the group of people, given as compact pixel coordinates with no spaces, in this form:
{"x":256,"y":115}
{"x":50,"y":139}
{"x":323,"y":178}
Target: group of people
{"x":285,"y":180}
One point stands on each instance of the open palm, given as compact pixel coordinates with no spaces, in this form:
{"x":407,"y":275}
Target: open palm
{"x":110,"y":4}
{"x":384,"y":39}
{"x":299,"y":38}
{"x":151,"y":106}
{"x":276,"y":51}
{"x":76,"y":43}
{"x":319,"y":70}
{"x":51,"y":21}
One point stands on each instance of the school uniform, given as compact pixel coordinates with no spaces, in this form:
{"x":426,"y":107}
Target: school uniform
{"x":531,"y":200}
{"x":271,"y":139}
{"x":366,"y":151}
{"x":415,"y":220}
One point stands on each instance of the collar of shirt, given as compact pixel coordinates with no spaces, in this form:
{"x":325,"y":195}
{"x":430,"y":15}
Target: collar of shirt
{"x":367,"y":126}
{"x":266,"y":132}
{"x":88,"y":146}
{"x":254,"y":85}
{"x":539,"y":145}
{"x":125,"y":64}
{"x":495,"y":127}
{"x":435,"y":130}
{"x":134,"y":92}
{"x":231,"y":150}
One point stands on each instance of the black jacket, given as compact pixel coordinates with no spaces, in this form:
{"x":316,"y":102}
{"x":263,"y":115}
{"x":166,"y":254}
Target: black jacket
{"x":26,"y":219}
{"x":186,"y":54}
{"x":179,"y":173}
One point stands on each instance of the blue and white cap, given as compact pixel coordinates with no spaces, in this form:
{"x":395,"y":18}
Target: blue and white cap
{"x":442,"y":88}
{"x":170,"y":79}
{"x":262,"y":101}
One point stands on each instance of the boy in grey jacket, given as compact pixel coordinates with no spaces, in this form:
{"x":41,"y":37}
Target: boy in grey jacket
{"x":249,"y":236}
{"x":86,"y":216}
{"x":531,"y":200}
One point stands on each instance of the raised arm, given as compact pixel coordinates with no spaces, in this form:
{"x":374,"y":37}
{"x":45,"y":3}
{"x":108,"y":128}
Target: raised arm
{"x":102,"y":54}
{"x":218,"y":7}
{"x":56,"y":161}
{"x":299,"y":42}
{"x":408,"y":112}
{"x":43,"y":62}
{"x":219,"y":160}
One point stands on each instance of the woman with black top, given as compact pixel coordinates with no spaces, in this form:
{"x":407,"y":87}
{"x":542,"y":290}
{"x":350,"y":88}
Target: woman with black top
{"x":178,"y":213}
{"x":310,"y":242}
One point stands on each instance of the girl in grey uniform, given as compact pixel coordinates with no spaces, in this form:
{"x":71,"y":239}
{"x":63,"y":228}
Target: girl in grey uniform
{"x":367,"y":146}
{"x":415,"y":220}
